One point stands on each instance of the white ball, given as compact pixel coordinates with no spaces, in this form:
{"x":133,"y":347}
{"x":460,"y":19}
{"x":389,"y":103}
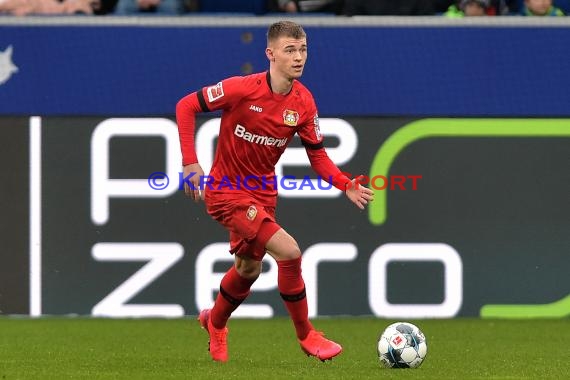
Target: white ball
{"x":402,"y":345}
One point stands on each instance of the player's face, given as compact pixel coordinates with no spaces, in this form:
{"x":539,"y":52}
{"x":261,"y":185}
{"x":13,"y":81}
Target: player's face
{"x":290,"y":56}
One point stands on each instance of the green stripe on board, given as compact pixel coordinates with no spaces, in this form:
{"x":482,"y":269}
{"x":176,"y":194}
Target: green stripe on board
{"x":558,"y":309}
{"x":435,"y":128}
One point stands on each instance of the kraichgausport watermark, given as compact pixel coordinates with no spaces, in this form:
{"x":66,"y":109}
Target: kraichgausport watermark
{"x":381,"y":182}
{"x":160,"y":181}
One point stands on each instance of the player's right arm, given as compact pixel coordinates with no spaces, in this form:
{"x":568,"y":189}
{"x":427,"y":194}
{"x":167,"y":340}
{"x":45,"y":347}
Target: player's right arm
{"x":219,"y":96}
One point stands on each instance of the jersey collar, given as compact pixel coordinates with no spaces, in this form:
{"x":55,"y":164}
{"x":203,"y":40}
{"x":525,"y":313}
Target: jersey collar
{"x":268,"y":79}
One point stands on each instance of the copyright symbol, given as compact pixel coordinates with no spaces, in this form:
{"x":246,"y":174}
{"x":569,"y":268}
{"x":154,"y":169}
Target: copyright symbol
{"x":158,"y":181}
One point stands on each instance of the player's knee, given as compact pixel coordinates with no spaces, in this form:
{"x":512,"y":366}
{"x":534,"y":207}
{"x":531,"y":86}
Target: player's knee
{"x":250,"y":273}
{"x":290,"y":252}
{"x":249,"y":269}
{"x":283,"y":246}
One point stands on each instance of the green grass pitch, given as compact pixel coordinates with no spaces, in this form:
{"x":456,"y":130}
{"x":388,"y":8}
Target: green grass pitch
{"x":83,"y":348}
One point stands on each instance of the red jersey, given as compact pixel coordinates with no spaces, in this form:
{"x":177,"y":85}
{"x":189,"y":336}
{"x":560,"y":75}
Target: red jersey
{"x":256,"y":127}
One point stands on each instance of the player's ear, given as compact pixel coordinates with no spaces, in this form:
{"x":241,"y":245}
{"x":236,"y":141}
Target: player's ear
{"x":269,"y":54}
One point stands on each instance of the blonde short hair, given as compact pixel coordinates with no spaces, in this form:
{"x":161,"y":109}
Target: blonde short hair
{"x":285,"y":29}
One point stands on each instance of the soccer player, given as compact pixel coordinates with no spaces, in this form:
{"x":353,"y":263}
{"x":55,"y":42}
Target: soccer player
{"x":261,"y":114}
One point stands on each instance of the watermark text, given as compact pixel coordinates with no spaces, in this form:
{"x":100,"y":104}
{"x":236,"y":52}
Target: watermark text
{"x":160,"y":181}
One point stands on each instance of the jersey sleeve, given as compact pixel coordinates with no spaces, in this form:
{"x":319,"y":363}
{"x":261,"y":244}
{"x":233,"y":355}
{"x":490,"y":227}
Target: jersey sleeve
{"x":222,"y":95}
{"x":313,"y":141}
{"x":309,"y":131}
{"x":219,"y":96}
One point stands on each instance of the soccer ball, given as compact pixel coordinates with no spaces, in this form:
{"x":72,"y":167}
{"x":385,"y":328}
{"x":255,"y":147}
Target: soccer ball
{"x":402,"y":345}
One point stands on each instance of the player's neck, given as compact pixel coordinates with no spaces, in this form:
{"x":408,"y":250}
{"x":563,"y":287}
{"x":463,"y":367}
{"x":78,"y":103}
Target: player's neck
{"x":279,"y":84}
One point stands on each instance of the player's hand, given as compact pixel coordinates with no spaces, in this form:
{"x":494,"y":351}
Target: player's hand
{"x":359,"y":195}
{"x":197,"y":173}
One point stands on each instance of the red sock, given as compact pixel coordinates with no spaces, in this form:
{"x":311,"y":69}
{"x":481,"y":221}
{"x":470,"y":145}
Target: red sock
{"x":234,"y":289}
{"x":292,"y":289}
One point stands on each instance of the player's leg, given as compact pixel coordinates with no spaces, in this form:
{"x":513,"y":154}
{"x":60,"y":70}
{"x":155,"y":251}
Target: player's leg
{"x":234,"y":289}
{"x":285,"y":250}
{"x":236,"y":283}
{"x":248,"y":235}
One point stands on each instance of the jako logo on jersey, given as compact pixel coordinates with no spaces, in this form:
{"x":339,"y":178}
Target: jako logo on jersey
{"x":290,"y":118}
{"x":240,"y":131}
{"x":256,"y":108}
{"x":215,"y":92}
{"x":7,"y":68}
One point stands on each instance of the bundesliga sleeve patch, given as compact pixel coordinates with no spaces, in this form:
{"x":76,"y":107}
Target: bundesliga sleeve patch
{"x":215,"y":92}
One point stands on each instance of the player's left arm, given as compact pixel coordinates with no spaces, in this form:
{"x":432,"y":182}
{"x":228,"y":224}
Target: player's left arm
{"x":321,"y":163}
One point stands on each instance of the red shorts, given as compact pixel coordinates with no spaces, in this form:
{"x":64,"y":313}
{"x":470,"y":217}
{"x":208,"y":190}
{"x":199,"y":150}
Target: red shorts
{"x":250,"y":224}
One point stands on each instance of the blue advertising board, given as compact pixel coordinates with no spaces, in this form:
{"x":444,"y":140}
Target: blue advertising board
{"x":139,"y":68}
